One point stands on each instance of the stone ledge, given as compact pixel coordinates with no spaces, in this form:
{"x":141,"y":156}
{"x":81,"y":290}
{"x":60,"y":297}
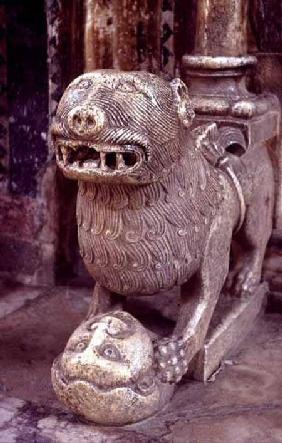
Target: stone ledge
{"x":16,"y":298}
{"x":236,"y":318}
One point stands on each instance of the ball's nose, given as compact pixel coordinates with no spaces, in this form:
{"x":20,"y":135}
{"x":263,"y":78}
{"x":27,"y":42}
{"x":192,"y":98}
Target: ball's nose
{"x":86,"y":120}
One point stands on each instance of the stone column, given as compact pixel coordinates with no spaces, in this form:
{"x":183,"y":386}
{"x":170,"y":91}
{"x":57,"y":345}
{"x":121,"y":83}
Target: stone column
{"x":216,"y":76}
{"x":221,"y":27}
{"x":122,"y":35}
{"x":98,"y":35}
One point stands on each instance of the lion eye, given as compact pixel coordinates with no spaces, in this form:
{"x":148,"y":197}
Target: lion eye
{"x":110,"y":352}
{"x":126,"y":87}
{"x":84,"y":84}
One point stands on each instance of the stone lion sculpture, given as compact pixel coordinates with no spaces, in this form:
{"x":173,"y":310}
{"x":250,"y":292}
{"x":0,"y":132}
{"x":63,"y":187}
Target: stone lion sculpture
{"x":157,"y":207}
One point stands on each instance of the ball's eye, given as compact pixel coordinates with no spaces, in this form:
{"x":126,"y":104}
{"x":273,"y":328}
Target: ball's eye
{"x":79,"y":347}
{"x":110,"y":352}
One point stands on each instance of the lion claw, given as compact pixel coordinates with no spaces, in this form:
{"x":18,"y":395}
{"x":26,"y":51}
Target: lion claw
{"x":171,"y":363}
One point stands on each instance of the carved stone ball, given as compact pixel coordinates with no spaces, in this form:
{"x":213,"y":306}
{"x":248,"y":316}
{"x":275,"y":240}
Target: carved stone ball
{"x":105,"y":373}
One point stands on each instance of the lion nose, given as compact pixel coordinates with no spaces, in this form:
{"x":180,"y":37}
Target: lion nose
{"x":86,"y":120}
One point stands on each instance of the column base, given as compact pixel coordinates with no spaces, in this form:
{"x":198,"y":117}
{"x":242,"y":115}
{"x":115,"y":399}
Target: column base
{"x":232,"y":322}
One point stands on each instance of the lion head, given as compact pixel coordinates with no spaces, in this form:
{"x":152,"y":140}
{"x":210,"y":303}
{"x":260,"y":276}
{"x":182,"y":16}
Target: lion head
{"x":123,"y":127}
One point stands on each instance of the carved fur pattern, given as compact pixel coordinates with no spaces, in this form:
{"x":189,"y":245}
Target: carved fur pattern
{"x":142,"y":239}
{"x":154,"y":207}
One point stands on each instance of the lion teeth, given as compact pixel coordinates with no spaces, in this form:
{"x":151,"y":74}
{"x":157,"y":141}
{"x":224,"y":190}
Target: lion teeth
{"x":92,"y":163}
{"x":104,"y":167}
{"x":120,"y":161}
{"x":65,"y":153}
{"x":110,"y":159}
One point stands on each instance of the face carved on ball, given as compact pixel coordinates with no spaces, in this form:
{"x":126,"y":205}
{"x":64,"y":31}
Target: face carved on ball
{"x":120,"y":127}
{"x":106,"y":351}
{"x":106,"y":372}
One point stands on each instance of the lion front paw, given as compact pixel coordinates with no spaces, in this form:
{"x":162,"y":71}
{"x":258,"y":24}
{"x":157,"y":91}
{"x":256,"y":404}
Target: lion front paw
{"x":171,"y":363}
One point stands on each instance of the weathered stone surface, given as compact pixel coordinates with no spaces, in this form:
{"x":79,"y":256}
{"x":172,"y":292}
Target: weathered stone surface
{"x":32,"y":339}
{"x":9,"y":410}
{"x":267,"y":76}
{"x":18,"y":257}
{"x":221,"y":27}
{"x":21,"y":217}
{"x":28,"y":234}
{"x":123,"y":35}
{"x":243,"y":405}
{"x":28,"y":94}
{"x":266,"y":18}
{"x":234,"y":321}
{"x":9,"y":407}
{"x":9,"y":436}
{"x":15,"y":298}
{"x":245,"y":427}
{"x":63,"y":431}
{"x":4,"y":124}
{"x":272,"y":269}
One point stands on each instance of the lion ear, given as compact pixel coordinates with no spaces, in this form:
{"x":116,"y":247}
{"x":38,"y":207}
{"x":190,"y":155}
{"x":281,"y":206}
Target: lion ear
{"x":182,"y":102}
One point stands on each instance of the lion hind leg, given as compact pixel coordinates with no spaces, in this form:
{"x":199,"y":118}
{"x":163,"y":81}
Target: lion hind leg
{"x":251,"y":242}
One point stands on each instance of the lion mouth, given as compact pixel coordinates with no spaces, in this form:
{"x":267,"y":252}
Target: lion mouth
{"x":98,"y":158}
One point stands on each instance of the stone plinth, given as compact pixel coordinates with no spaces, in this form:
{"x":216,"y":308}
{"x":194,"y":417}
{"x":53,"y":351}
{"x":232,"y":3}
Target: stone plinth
{"x":233,"y":320}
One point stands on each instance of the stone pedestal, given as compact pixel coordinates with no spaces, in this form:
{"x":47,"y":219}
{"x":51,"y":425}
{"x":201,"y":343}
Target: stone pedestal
{"x":233,"y":320}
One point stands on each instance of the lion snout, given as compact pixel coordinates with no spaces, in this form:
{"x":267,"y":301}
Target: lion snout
{"x":86,"y":120}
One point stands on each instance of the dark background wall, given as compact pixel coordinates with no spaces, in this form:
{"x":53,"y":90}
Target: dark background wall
{"x":24,"y":241}
{"x":27,"y":93}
